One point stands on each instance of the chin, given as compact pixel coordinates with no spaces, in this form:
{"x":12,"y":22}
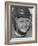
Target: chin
{"x":23,"y":30}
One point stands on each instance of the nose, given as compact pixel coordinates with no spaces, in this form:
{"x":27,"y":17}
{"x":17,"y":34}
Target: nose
{"x":24,"y":25}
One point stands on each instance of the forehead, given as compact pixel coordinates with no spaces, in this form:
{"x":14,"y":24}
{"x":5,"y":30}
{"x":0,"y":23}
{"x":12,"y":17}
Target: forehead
{"x":22,"y":19}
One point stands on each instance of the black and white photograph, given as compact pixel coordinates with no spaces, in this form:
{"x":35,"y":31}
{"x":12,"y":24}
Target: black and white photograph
{"x":21,"y":22}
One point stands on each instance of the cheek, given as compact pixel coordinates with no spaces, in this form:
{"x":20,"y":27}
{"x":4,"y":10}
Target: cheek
{"x":28,"y":23}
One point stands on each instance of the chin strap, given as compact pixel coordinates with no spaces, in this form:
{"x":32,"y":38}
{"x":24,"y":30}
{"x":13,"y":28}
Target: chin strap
{"x":23,"y":34}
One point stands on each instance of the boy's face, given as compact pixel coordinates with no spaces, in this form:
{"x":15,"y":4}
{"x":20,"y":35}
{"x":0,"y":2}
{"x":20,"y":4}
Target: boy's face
{"x":23,"y":24}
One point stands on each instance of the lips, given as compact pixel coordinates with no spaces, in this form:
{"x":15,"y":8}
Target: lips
{"x":23,"y":30}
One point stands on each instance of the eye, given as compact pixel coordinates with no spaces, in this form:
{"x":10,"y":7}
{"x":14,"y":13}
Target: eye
{"x":27,"y":20}
{"x":21,"y":21}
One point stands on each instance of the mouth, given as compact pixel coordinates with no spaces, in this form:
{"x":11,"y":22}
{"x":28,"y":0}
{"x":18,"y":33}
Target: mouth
{"x":23,"y":30}
{"x":22,"y":33}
